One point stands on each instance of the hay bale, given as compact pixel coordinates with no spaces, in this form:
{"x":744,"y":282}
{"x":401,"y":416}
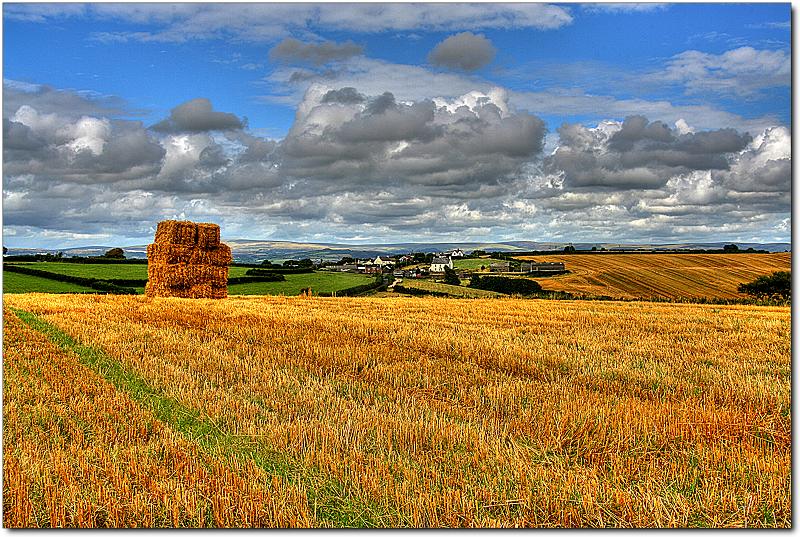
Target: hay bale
{"x":219,"y":256}
{"x":187,"y":260}
{"x":176,"y":232}
{"x":207,"y":235}
{"x":169,"y":254}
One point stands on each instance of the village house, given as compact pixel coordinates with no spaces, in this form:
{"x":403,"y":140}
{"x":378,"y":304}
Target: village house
{"x":383,"y":262}
{"x":457,"y":253}
{"x":439,"y":263}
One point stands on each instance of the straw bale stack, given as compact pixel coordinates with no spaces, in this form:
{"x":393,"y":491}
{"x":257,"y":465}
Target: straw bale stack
{"x":187,"y":260}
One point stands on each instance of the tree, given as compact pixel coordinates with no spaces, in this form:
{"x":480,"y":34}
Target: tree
{"x":730,"y":248}
{"x":115,"y":253}
{"x":776,"y":285}
{"x":569,"y":249}
{"x":5,"y":250}
{"x":450,"y":277}
{"x":506,"y":285}
{"x":266,"y":263}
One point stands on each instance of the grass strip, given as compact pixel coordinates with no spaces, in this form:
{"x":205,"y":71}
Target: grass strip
{"x":333,"y":503}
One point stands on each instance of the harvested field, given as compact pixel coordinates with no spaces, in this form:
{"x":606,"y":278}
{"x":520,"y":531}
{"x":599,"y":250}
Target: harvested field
{"x":397,"y":412}
{"x":660,"y":275}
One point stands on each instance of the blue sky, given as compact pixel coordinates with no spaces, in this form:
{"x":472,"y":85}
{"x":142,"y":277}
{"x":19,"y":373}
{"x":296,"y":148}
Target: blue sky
{"x":578,"y":69}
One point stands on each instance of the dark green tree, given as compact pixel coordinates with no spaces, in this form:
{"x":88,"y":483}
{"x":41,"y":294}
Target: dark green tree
{"x":450,"y":277}
{"x":776,"y":285}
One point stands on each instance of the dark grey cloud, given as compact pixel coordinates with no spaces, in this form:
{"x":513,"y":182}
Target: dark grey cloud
{"x":466,"y":51}
{"x":433,"y":150}
{"x":17,"y":136}
{"x":198,"y":115}
{"x":343,"y":96}
{"x":292,"y":50}
{"x":84,"y":148}
{"x":639,"y":155}
{"x":48,"y":100}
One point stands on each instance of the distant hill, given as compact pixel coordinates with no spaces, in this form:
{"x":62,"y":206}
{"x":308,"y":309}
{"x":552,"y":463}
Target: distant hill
{"x":249,"y":250}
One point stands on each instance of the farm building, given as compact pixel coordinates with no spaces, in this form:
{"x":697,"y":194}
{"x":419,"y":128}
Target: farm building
{"x":542,"y":268}
{"x":500,"y":266}
{"x":439,"y":263}
{"x":457,"y":253}
{"x":383,"y":262}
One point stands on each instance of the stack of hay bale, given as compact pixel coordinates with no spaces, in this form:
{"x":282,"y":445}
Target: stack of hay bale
{"x":187,"y":260}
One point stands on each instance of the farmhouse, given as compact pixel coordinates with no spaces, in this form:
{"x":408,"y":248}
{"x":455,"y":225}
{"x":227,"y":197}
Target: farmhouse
{"x":457,"y":253}
{"x":382,"y":262}
{"x":439,"y":263}
{"x":500,"y":266}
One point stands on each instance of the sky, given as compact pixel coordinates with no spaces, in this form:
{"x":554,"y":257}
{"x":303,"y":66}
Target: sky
{"x":386,"y":123}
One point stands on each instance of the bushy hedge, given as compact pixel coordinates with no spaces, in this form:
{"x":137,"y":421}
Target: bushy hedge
{"x":105,"y":286}
{"x":267,"y":273}
{"x":502,"y":284}
{"x":122,"y":282}
{"x":418,"y":292}
{"x":274,"y":269}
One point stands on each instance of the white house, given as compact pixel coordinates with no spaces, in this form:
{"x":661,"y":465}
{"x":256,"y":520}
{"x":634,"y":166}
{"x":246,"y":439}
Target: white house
{"x":457,"y":253}
{"x":439,"y":263}
{"x":383,"y":262}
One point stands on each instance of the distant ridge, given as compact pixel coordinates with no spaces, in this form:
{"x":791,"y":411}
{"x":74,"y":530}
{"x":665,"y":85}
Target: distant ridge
{"x":251,"y":250}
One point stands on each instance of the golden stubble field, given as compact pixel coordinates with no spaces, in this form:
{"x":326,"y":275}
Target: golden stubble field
{"x":668,"y":276}
{"x":273,"y":411}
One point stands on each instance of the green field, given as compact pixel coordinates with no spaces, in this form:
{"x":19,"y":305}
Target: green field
{"x":452,"y":290}
{"x":23,"y":283}
{"x":320,"y":282}
{"x":107,"y":271}
{"x":472,"y":264}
